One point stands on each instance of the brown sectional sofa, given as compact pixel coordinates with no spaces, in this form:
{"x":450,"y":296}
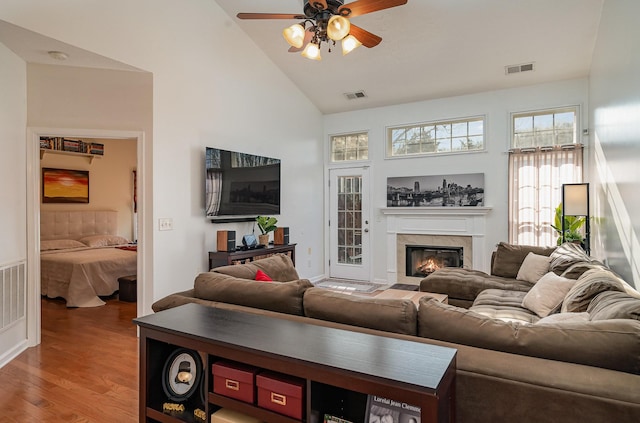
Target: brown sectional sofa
{"x":586,"y":371}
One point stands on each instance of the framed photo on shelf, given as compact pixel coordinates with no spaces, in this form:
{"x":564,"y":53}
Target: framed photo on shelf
{"x":65,"y":186}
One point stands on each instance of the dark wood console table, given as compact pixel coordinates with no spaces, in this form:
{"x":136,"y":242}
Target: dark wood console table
{"x":224,"y":258}
{"x":341,"y":368}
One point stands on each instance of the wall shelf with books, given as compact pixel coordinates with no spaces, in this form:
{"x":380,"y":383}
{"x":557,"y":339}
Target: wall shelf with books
{"x":70,"y":147}
{"x":89,"y":156}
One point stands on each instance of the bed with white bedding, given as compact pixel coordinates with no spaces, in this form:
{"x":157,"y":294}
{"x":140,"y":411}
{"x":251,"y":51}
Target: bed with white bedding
{"x":81,"y":257}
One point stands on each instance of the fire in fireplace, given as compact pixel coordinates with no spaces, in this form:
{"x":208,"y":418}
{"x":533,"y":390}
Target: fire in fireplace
{"x":422,"y":260}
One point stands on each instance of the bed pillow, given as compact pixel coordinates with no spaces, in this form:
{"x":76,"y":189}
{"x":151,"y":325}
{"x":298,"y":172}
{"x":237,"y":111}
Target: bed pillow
{"x":103,"y":240}
{"x":547,"y":294}
{"x":60,"y":244}
{"x":533,"y":267}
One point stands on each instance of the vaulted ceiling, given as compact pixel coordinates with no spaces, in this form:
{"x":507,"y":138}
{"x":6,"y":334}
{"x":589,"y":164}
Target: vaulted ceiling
{"x":434,"y":48}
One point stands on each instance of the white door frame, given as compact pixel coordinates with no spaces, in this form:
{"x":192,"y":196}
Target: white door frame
{"x":365,"y":268}
{"x":145,"y":238}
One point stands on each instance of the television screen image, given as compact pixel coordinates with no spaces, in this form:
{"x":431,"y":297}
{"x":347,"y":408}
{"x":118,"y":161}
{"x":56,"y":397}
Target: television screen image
{"x":240,"y":186}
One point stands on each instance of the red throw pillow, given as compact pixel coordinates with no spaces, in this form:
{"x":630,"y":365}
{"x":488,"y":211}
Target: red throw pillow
{"x":263,"y":277}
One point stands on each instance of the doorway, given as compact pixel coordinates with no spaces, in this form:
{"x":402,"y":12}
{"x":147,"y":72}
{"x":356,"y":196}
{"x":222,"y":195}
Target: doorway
{"x":349,"y":212}
{"x":33,"y":218}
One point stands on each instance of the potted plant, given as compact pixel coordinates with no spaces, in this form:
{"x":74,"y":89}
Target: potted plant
{"x":266,"y":224}
{"x":572,"y":226}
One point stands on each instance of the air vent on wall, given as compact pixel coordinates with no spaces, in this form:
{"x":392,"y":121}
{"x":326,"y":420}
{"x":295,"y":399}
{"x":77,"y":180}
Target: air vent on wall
{"x":526,"y":67}
{"x":355,"y":95}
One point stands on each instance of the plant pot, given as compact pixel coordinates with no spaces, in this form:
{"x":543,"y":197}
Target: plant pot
{"x":263,"y":239}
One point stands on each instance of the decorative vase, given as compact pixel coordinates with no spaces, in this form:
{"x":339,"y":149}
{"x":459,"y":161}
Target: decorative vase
{"x":263,"y":239}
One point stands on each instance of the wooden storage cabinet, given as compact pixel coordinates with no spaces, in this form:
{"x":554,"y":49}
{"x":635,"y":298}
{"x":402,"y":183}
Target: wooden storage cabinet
{"x":338,"y":376}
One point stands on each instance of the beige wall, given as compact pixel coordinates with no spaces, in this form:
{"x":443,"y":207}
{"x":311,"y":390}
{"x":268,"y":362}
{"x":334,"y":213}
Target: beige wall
{"x":110,"y":180}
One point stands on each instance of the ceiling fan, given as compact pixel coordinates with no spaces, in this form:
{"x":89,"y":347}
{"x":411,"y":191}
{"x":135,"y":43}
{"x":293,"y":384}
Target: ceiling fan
{"x":328,"y":22}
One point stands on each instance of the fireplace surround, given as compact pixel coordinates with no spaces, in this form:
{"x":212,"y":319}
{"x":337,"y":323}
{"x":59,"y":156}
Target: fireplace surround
{"x":441,"y":226}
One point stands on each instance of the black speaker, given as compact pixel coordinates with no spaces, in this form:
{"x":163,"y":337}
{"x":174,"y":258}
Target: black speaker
{"x":281,"y":236}
{"x":226,"y":241}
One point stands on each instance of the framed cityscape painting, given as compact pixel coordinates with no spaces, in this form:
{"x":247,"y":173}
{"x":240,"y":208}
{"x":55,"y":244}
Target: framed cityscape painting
{"x":460,"y":190}
{"x":65,"y":186}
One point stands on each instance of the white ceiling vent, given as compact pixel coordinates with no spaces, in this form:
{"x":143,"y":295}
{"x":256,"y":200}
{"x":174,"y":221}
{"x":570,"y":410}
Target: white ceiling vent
{"x":526,"y":67}
{"x":356,"y":95}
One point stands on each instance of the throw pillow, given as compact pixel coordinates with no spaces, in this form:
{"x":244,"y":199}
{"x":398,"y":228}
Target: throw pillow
{"x":533,"y":267}
{"x":614,"y":305}
{"x":262,"y":277}
{"x":590,"y":284}
{"x":567,"y":254}
{"x":547,"y":294}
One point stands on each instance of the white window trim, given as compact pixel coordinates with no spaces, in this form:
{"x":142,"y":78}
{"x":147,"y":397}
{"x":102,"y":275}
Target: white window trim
{"x":547,"y":110}
{"x":387,"y":146}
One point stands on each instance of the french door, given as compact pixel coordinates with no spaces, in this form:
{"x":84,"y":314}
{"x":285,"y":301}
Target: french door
{"x":349,"y":223}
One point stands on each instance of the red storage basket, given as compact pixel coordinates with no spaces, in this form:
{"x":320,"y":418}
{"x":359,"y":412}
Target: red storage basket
{"x":234,"y":380}
{"x":281,"y":393}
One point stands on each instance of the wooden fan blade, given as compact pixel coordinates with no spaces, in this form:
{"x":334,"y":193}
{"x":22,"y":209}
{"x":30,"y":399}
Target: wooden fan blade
{"x":308,"y":35}
{"x":365,"y":37}
{"x":270,"y":16}
{"x":361,"y":7}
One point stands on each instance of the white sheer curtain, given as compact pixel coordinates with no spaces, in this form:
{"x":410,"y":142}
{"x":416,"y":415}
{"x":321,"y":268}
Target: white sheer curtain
{"x":536,"y":176}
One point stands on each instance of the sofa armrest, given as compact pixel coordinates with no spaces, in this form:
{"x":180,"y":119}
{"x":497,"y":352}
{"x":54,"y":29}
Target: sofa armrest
{"x":178,"y":299}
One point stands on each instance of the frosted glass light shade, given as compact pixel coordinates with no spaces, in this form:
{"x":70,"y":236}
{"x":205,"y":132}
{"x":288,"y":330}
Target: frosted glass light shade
{"x":312,"y":51}
{"x":338,"y":27}
{"x":576,"y":199}
{"x":349,"y":43}
{"x":294,"y":35}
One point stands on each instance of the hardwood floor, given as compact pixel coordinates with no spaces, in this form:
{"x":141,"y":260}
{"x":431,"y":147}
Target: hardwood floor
{"x":85,"y":369}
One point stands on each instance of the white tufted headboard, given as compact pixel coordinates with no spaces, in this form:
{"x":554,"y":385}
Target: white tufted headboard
{"x":77,"y":224}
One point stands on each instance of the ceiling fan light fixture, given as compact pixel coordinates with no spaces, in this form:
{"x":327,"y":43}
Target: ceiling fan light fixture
{"x":349,"y":43}
{"x":312,"y":51}
{"x":294,"y":35}
{"x":338,"y":27}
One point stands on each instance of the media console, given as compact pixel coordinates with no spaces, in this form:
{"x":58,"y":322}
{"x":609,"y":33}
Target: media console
{"x":340,"y":368}
{"x":224,"y":258}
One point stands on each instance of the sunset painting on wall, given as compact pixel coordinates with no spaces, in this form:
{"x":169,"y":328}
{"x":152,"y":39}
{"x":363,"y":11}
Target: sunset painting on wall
{"x":65,"y":186}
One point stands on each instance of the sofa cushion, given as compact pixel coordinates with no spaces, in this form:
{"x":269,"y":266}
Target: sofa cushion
{"x":590,"y":284}
{"x":547,"y":294}
{"x":504,"y":305}
{"x":614,"y":305}
{"x":611,"y":344}
{"x":508,"y":258}
{"x":390,"y":315}
{"x":466,"y":284}
{"x":278,"y":266}
{"x":533,"y":267}
{"x":575,"y":270}
{"x":285,"y":297}
{"x":564,"y":318}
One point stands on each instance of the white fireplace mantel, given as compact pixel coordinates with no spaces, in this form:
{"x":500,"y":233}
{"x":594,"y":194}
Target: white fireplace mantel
{"x":455,"y":221}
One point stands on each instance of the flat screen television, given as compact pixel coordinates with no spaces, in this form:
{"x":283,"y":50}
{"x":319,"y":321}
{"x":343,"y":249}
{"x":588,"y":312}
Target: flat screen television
{"x":240,"y":186}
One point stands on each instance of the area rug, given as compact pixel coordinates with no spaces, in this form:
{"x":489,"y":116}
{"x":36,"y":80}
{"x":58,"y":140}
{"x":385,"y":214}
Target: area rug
{"x":404,"y":286}
{"x":348,"y":285}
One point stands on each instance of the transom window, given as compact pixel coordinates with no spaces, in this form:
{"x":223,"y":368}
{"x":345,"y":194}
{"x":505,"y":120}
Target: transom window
{"x":544,"y":128}
{"x":350,"y":147}
{"x":461,"y":135}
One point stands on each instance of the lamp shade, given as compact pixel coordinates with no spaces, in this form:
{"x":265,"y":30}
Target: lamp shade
{"x":312,"y":51}
{"x":294,"y":35}
{"x":350,"y":43}
{"x":338,"y":27}
{"x":576,"y":199}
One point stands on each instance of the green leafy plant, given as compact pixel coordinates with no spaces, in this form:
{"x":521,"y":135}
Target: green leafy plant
{"x":266,"y":224}
{"x":572,"y":226}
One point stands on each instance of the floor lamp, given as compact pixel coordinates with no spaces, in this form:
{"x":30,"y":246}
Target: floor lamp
{"x":575,"y":202}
